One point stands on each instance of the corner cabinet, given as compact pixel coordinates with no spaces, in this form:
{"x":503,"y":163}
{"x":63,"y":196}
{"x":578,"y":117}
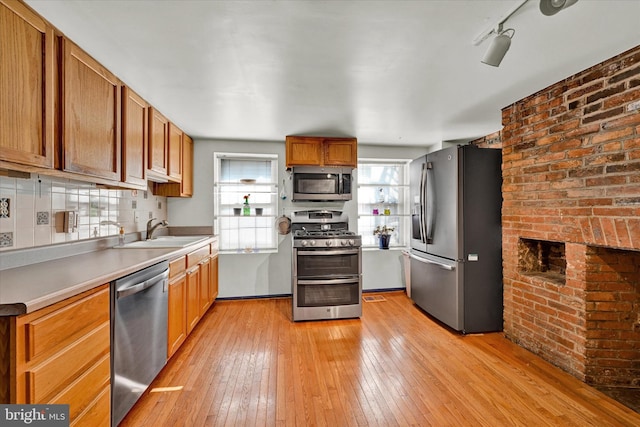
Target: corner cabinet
{"x":28,"y":85}
{"x":321,"y":151}
{"x":90,"y":115}
{"x":61,"y":354}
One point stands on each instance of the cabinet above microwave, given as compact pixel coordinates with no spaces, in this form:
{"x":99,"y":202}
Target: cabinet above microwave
{"x":321,"y":151}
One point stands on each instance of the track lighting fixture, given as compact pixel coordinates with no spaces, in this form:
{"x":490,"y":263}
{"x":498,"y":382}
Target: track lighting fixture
{"x":498,"y":47}
{"x":551,"y":7}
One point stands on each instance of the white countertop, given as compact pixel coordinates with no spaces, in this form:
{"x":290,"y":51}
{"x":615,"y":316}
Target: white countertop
{"x":29,"y":288}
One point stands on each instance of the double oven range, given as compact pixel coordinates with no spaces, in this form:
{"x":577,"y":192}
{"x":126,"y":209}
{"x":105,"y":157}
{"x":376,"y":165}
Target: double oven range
{"x":327,"y":266}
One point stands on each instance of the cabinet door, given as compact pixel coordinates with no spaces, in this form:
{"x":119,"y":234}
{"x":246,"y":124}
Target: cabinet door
{"x":158,"y":142}
{"x":193,"y":298}
{"x":213,"y":278}
{"x":174,"y":165}
{"x":177,"y":315}
{"x":303,"y":151}
{"x":341,"y":152}
{"x":187,"y":167}
{"x":205,"y":274}
{"x":134,"y":137}
{"x":90,"y":115}
{"x":27,"y":84}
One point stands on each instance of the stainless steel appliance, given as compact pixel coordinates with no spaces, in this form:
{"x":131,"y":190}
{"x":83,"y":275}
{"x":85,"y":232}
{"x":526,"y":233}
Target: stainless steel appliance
{"x":321,"y":183}
{"x":327,"y":266}
{"x":139,"y":304}
{"x":456,"y":242}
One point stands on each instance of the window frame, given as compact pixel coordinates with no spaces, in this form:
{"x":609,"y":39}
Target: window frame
{"x":401,"y":235}
{"x":224,"y":218}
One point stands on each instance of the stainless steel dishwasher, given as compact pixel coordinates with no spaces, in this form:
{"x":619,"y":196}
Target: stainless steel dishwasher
{"x":139,"y":304}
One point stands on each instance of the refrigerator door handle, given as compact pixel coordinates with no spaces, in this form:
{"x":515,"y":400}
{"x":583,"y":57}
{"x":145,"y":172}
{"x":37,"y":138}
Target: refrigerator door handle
{"x":428,"y":261}
{"x":423,"y":183}
{"x":430,"y":208}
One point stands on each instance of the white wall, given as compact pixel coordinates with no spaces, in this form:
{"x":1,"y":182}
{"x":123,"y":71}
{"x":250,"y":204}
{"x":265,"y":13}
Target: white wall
{"x":262,"y":274}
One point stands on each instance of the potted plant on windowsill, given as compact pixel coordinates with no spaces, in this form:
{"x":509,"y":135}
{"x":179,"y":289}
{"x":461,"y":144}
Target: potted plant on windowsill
{"x":384,"y":235}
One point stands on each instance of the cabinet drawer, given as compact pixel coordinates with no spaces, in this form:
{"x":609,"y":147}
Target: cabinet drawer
{"x":177,"y":267}
{"x":196,"y":256}
{"x":62,"y":327}
{"x":98,"y":413}
{"x":55,"y":373}
{"x":80,"y":394}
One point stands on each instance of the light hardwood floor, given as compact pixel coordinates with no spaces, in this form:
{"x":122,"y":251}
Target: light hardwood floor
{"x":247,"y":364}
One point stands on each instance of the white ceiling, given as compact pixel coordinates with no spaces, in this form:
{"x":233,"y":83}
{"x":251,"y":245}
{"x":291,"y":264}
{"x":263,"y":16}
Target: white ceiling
{"x":386,"y":72}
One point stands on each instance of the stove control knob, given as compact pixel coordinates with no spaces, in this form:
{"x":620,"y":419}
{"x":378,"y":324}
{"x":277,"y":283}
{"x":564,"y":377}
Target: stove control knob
{"x":313,"y":243}
{"x":329,"y":242}
{"x":304,"y":243}
{"x":344,"y":242}
{"x":352,"y":242}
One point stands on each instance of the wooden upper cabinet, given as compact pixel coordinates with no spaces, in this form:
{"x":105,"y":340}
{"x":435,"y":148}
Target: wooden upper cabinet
{"x":187,"y":167}
{"x":341,"y":152}
{"x":303,"y":151}
{"x":90,"y":115}
{"x":174,"y":165}
{"x":158,"y":160}
{"x":135,"y":129}
{"x":184,"y":188}
{"x":321,"y":151}
{"x":27,"y":84}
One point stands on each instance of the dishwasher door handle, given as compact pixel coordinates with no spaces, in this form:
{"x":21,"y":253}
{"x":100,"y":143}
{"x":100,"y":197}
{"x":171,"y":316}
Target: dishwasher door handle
{"x":139,"y":287}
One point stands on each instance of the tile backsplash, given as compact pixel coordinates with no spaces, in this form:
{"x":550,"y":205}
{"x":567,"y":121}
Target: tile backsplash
{"x":32,"y":211}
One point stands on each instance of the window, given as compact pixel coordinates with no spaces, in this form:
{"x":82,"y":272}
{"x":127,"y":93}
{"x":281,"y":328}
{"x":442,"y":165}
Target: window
{"x":383,"y":192}
{"x":245,"y":228}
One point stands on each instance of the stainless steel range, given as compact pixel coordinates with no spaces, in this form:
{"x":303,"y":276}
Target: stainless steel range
{"x":327,"y":266}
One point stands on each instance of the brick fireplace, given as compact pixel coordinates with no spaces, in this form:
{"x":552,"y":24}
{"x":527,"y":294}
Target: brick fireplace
{"x":571,"y":222}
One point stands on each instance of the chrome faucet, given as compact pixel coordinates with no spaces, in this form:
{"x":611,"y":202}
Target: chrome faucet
{"x":151,"y":229}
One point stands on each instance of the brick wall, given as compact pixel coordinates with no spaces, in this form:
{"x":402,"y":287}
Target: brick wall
{"x":571,"y":174}
{"x":613,"y":317}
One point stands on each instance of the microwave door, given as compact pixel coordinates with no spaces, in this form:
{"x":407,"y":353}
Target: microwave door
{"x":315,"y":184}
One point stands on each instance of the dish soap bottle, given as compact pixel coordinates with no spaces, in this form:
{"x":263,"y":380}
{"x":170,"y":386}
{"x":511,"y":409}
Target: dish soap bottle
{"x":121,"y":237}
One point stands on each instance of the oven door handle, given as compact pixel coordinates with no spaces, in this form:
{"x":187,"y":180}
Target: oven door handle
{"x":330,"y":252}
{"x":327,"y":281}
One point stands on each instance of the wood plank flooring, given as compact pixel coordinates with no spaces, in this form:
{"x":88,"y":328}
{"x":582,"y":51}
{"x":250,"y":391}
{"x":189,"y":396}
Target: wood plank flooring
{"x":247,"y":364}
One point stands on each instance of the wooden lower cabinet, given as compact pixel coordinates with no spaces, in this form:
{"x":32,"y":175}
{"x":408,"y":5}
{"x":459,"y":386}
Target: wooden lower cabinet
{"x":193,"y":297}
{"x":213,"y":277}
{"x":193,"y":286}
{"x":61,"y":354}
{"x":177,"y":315}
{"x":205,"y":284}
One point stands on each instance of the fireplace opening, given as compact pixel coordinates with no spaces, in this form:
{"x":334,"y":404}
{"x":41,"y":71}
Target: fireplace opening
{"x":542,"y":258}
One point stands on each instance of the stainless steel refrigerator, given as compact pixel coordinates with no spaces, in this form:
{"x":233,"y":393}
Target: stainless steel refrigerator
{"x":456,"y":241}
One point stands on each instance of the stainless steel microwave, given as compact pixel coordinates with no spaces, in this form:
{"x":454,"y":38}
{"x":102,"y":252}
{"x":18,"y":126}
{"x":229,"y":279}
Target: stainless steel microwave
{"x":315,"y":183}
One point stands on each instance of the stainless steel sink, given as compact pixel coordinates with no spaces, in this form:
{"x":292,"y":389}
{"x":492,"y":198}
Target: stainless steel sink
{"x":164,"y":242}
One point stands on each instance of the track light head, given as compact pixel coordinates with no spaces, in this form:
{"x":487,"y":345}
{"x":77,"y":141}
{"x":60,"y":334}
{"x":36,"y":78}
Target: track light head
{"x":498,"y":48}
{"x":551,"y":7}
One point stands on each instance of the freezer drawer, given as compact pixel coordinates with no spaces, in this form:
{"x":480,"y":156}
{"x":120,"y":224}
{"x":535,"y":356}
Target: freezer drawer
{"x":436,"y":288}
